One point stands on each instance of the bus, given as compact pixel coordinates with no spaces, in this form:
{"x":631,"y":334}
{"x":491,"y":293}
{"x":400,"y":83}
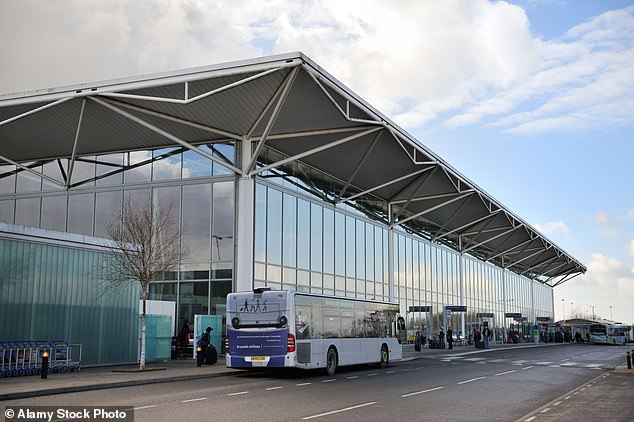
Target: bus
{"x":279,"y":328}
{"x":609,"y":333}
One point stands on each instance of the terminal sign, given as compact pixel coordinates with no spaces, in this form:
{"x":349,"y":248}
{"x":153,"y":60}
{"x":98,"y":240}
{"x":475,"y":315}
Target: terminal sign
{"x":513,"y":315}
{"x":420,"y":308}
{"x":456,"y":308}
{"x":484,"y":315}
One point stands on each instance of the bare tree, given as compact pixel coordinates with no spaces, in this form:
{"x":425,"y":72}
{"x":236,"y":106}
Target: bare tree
{"x":145,"y":243}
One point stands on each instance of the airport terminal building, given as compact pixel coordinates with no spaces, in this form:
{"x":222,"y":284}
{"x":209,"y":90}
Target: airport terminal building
{"x":281,"y":177}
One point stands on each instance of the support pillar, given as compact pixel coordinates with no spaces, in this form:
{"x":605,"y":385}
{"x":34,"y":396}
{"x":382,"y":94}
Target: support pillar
{"x":504,"y":301}
{"x":245,"y":222}
{"x":390,"y":256}
{"x":462,"y":287}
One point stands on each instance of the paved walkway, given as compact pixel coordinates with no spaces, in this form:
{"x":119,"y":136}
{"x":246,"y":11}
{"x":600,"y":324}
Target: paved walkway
{"x":96,"y":378}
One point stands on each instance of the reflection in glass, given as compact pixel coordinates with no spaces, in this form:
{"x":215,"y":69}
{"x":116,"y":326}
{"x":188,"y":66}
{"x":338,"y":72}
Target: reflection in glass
{"x":27,"y":181}
{"x":6,"y":211}
{"x":7,"y":181}
{"x":260,"y":223}
{"x":54,"y":213}
{"x":163,"y":291}
{"x":226,"y":152}
{"x":315,"y":238}
{"x":107,"y":206}
{"x":195,"y":165}
{"x":83,"y":170}
{"x":219,"y":291}
{"x":340,"y":244}
{"x":350,"y":246}
{"x":360,"y":258}
{"x":303,"y":234}
{"x":140,"y":167}
{"x":289,"y":231}
{"x":27,"y":212}
{"x":329,"y":241}
{"x":196,"y":225}
{"x":222,"y":222}
{"x":111,"y":163}
{"x":274,"y":227}
{"x":52,"y":169}
{"x":167,"y":164}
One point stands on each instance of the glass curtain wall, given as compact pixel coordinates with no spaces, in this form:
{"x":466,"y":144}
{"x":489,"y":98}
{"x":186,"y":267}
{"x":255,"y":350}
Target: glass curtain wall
{"x":201,"y":193}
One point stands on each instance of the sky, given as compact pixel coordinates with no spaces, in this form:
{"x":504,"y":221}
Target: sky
{"x":533,"y":100}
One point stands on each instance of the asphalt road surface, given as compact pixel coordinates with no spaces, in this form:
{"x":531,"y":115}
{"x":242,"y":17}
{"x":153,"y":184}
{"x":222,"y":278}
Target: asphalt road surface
{"x":501,"y":385}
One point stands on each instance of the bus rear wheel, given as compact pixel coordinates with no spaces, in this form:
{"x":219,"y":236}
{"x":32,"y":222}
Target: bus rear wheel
{"x":331,"y":362}
{"x":385,"y":357}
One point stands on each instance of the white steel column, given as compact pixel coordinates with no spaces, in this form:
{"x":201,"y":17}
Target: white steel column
{"x":462,"y":289}
{"x":390,"y":256}
{"x":504,"y":301}
{"x":245,"y":218}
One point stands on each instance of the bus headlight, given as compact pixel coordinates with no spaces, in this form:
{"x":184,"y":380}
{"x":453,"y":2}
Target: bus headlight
{"x":235,"y":322}
{"x":283,"y":321}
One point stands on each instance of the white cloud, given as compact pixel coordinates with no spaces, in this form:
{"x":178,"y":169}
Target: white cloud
{"x":553,"y":227}
{"x":423,"y":63}
{"x":628,"y":216}
{"x":605,"y":224}
{"x":608,"y":276}
{"x":630,"y":249}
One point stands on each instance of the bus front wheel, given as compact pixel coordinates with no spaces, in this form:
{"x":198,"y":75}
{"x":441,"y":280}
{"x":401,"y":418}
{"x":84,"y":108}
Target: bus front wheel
{"x":385,"y":357}
{"x":331,"y":362}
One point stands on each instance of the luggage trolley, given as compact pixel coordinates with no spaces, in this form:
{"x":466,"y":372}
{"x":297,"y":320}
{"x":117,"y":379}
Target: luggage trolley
{"x":5,"y":369}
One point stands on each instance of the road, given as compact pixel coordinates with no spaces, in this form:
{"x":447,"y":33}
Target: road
{"x":501,"y":385}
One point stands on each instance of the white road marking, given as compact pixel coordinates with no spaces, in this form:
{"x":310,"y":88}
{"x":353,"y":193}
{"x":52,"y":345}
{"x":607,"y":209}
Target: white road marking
{"x":273,"y":388}
{"x":504,"y":373}
{"x":557,"y":404}
{"x":303,"y":383}
{"x":238,"y":393}
{"x":190,"y":400}
{"x":497,"y":360}
{"x":554,"y":366}
{"x":545,"y":410}
{"x":330,"y":380}
{"x":372,"y":374}
{"x":390,"y":372}
{"x":421,"y":392}
{"x":352,"y":377}
{"x":145,"y":407}
{"x":475,"y":359}
{"x":339,"y":411}
{"x":528,"y":367}
{"x":471,"y":380}
{"x":566,"y":398}
{"x":530,"y":419}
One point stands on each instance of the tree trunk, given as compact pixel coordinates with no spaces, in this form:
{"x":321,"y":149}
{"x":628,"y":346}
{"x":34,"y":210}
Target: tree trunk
{"x":142,"y":360}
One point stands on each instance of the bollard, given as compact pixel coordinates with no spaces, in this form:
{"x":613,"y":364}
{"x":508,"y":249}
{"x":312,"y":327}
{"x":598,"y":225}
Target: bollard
{"x":44,"y":370}
{"x":629,"y":360}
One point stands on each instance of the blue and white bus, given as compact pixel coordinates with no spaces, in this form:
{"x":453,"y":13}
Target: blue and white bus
{"x":610,"y":333}
{"x":278,"y":328}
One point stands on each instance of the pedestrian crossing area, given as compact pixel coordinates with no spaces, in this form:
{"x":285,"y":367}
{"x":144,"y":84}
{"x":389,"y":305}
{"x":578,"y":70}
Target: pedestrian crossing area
{"x":566,"y":363}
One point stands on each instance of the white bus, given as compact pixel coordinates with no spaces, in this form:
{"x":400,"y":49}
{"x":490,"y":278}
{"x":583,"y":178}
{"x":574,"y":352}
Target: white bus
{"x":609,"y":333}
{"x":277,"y":328}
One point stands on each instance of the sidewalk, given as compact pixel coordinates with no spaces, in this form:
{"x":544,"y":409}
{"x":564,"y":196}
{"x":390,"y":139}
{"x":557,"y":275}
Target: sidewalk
{"x":98,"y":378}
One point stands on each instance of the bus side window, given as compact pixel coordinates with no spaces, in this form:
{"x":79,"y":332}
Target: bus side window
{"x":317,"y":322}
{"x":302,"y":318}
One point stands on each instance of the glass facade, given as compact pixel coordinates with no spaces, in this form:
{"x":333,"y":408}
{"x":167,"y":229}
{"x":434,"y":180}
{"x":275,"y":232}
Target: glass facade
{"x":200,"y":191}
{"x":301,"y":240}
{"x":47,"y":293}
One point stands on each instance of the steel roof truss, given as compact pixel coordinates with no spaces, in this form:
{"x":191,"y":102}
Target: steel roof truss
{"x":541,"y":264}
{"x":464,"y":226}
{"x":426,"y":198}
{"x":492,"y":238}
{"x":35,"y":110}
{"x":398,"y":179}
{"x":366,"y":154}
{"x":315,"y":150}
{"x":539,"y":252}
{"x":317,"y":79}
{"x":276,"y":111}
{"x":166,"y":134}
{"x":576,"y":274}
{"x":432,"y":208}
{"x":188,"y":100}
{"x":71,"y":164}
{"x":451,"y":217}
{"x":174,"y":119}
{"x":420,"y":182}
{"x":30,"y":170}
{"x":509,"y":249}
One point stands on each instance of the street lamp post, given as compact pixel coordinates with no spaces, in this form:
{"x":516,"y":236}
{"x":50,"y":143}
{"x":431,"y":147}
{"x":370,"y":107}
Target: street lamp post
{"x":593,"y":306}
{"x":611,"y":313}
{"x":563,"y":311}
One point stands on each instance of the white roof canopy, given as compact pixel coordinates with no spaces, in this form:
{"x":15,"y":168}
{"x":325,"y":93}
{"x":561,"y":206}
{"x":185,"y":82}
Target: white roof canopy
{"x":289,"y":104}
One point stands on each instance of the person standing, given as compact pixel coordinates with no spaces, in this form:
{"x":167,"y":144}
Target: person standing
{"x":487,"y":338}
{"x":441,"y":338}
{"x":450,"y":338}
